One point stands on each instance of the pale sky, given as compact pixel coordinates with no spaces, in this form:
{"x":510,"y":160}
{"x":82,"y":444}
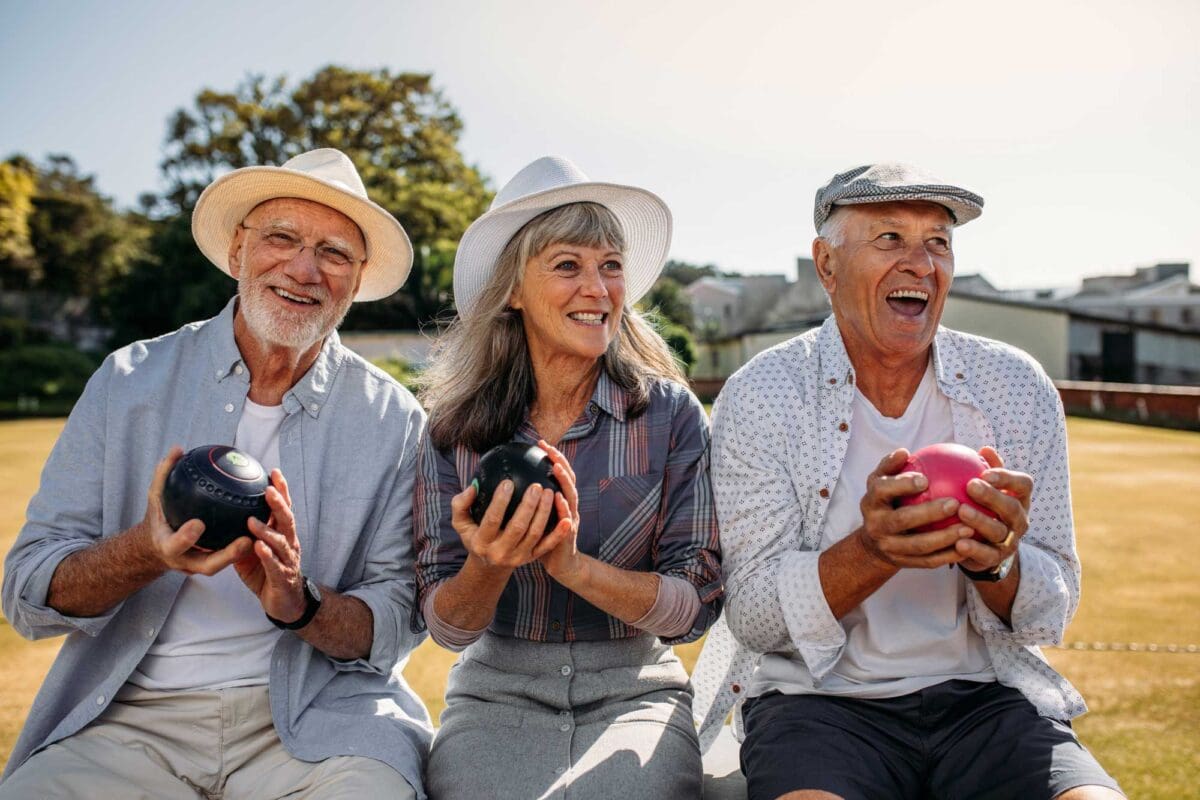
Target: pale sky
{"x":1077,"y":121}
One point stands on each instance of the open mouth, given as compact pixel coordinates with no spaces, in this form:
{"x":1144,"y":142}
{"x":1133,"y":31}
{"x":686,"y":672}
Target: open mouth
{"x":294,"y":299}
{"x":589,"y":318}
{"x":908,"y":302}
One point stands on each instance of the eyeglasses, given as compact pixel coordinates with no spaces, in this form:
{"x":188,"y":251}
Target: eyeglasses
{"x":286,"y":246}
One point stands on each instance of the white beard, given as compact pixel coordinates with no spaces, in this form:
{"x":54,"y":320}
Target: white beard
{"x":281,"y":326}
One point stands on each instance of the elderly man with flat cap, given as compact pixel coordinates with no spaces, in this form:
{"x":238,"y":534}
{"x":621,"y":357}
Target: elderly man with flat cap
{"x":269,"y":668}
{"x":874,"y":660}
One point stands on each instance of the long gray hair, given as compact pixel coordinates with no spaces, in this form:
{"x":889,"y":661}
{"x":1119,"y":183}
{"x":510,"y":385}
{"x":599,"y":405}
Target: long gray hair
{"x":480,"y":383}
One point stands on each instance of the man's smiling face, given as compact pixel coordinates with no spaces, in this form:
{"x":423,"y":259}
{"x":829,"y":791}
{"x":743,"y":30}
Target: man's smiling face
{"x":295,"y":301}
{"x":887,"y":268}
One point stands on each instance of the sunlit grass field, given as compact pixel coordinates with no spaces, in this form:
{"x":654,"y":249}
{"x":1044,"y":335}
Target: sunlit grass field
{"x":1137,"y":506}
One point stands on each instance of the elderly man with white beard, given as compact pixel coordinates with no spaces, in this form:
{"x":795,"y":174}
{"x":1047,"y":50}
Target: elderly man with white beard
{"x":271,"y":667}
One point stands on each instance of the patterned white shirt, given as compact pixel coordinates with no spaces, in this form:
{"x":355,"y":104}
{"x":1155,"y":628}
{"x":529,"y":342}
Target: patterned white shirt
{"x":780,"y":432}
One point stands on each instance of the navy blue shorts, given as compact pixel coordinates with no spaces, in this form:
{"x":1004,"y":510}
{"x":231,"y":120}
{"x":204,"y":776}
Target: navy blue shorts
{"x":957,"y":739}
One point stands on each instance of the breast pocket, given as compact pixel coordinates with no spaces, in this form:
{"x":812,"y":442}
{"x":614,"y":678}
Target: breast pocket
{"x":629,"y":509}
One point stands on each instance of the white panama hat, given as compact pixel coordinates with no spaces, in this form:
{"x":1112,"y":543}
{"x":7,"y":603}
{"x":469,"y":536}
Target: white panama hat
{"x":546,"y":184}
{"x":325,"y":176}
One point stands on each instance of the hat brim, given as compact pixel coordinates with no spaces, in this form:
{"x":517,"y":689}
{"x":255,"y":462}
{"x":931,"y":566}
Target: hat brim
{"x":644,"y":218}
{"x":962,"y":210}
{"x":227,"y":200}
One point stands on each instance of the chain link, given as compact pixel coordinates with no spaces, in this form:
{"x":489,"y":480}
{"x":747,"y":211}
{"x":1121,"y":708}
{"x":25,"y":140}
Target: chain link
{"x":1129,"y":647}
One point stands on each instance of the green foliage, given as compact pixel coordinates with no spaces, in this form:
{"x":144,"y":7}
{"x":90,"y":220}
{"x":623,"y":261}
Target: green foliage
{"x":17,"y":185}
{"x":399,"y":369}
{"x":78,"y":245}
{"x":667,"y":298}
{"x":684,"y":273}
{"x":681,"y":343}
{"x":54,"y":373}
{"x":399,"y":131}
{"x":170,"y":286}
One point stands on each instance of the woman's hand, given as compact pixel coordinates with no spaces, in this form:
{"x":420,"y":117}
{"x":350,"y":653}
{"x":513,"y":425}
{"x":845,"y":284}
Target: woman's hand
{"x":558,"y":551}
{"x":519,"y":542}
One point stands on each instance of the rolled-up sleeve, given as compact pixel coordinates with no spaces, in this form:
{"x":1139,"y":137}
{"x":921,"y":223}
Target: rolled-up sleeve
{"x":688,"y":545}
{"x":775,"y":603}
{"x":388,"y":585}
{"x":440,"y":553}
{"x":1048,"y":593}
{"x":63,"y":517}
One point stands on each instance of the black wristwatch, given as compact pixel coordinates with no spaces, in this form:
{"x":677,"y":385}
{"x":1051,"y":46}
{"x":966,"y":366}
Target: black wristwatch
{"x":996,"y":573}
{"x":312,"y":604}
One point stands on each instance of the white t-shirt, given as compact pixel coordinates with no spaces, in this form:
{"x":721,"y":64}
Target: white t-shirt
{"x":913,"y":632}
{"x":217,"y":635}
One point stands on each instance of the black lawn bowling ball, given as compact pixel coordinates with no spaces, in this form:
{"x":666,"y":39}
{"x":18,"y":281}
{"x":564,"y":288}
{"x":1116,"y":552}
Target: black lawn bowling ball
{"x":220,"y":486}
{"x":525,"y":464}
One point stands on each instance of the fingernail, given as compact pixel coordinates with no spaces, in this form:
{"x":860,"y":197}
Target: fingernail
{"x":506,"y":486}
{"x":948,"y":505}
{"x":475,"y":484}
{"x":920,"y":481}
{"x":991,"y":477}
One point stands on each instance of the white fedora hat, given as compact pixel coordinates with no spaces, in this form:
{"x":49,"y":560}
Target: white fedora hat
{"x":325,"y":176}
{"x":546,"y":184}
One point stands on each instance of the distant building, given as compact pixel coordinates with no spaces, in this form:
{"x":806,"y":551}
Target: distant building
{"x":725,"y":306}
{"x":1064,"y":331}
{"x":1161,"y":295}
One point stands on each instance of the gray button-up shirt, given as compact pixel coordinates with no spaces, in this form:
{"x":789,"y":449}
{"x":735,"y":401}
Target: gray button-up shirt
{"x":348,"y":448}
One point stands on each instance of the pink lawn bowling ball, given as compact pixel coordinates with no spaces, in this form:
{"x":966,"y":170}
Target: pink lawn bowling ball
{"x":948,"y":467}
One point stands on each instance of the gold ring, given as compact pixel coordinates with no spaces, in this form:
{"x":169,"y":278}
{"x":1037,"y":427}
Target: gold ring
{"x":1008,"y":539}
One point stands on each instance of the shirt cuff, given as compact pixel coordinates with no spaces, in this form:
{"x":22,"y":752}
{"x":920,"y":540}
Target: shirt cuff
{"x":445,"y":634}
{"x":818,"y":635}
{"x":37,"y":619}
{"x":1039,"y":613}
{"x":675,"y":608}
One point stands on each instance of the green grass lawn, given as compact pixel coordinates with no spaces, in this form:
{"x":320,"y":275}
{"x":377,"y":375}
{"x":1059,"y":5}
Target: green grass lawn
{"x":1137,"y":501}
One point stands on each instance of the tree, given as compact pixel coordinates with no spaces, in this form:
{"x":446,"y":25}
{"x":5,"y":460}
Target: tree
{"x":171,"y":285}
{"x":684,"y":273}
{"x":401,"y":134}
{"x":668,"y":299}
{"x":82,"y":243}
{"x":18,"y":181}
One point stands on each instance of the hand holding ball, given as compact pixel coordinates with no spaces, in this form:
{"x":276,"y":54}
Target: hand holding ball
{"x":220,"y":486}
{"x":948,"y":467}
{"x":523,"y":464}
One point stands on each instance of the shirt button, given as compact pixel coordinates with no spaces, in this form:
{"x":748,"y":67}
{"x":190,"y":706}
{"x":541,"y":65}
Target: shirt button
{"x":229,"y":408}
{"x":833,"y":381}
{"x":960,"y":376}
{"x":736,"y":688}
{"x":238,"y":369}
{"x":564,"y":727}
{"x":218,"y":373}
{"x":566,"y":669}
{"x":824,"y":492}
{"x":843,"y":427}
{"x":556,"y":626}
{"x":313,"y":408}
{"x":560,"y":770}
{"x":100,"y":700}
{"x":564,"y":713}
{"x":150,"y":633}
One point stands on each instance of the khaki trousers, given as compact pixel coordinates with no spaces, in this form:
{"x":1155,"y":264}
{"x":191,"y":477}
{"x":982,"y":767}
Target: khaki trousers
{"x":217,"y":745}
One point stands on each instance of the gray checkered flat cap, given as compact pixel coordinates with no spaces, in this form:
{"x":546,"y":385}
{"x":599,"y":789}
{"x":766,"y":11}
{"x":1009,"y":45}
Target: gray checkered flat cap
{"x":889,"y":183}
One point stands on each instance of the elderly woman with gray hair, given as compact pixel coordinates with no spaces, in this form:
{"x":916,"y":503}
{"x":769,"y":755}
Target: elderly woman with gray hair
{"x":568,"y":685}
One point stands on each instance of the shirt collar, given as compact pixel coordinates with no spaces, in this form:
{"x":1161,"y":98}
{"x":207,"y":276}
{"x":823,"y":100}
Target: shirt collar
{"x":309,"y":393}
{"x":610,"y":397}
{"x":836,"y":370}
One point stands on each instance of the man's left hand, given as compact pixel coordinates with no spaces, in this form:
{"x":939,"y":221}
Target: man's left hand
{"x":272,"y":570}
{"x":1006,"y":493}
